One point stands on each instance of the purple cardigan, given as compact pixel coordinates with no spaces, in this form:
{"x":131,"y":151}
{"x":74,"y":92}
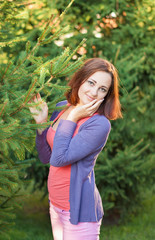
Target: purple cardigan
{"x":81,"y":152}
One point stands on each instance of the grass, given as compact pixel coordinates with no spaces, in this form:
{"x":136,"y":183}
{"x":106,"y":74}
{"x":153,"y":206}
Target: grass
{"x":140,"y":227}
{"x":33,"y":222}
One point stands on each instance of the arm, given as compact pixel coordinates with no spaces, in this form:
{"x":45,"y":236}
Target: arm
{"x":40,"y":115}
{"x":92,"y":137}
{"x":43,"y":148}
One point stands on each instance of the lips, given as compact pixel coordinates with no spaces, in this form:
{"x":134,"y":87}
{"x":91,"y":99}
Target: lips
{"x":90,"y":98}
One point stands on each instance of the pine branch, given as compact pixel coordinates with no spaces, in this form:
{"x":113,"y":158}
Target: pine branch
{"x":9,"y":163}
{"x":65,"y":65}
{"x":66,"y":9}
{"x":55,"y":35}
{"x":44,"y":33}
{"x":27,"y":57}
{"x":56,"y":22}
{"x":72,"y":67}
{"x":5,"y":72}
{"x":40,"y":39}
{"x":117,"y":54}
{"x":26,"y":98}
{"x":4,"y":105}
{"x":9,"y":198}
{"x":46,"y":84}
{"x":53,"y":85}
{"x":132,"y":149}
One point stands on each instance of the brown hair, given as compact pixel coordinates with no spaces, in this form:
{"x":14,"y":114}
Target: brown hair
{"x":110,"y":107}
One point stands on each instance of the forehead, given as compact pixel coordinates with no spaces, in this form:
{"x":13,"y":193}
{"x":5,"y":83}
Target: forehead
{"x":101,"y":78}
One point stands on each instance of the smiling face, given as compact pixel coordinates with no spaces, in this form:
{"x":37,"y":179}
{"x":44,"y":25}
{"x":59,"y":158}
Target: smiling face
{"x":95,"y":87}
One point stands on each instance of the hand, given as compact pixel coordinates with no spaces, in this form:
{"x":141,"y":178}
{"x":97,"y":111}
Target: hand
{"x":39,"y":115}
{"x":83,"y":111}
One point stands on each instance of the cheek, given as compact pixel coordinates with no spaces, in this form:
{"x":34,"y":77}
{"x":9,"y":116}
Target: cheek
{"x":102,"y":95}
{"x":79,"y":92}
{"x":82,"y":89}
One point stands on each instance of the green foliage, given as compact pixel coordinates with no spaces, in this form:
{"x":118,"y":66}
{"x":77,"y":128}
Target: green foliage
{"x":34,"y":219}
{"x":121,"y":32}
{"x":20,"y":79}
{"x":11,"y":16}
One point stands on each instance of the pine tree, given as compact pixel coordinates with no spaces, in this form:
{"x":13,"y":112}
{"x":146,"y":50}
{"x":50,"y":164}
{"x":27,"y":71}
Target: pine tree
{"x":20,"y":80}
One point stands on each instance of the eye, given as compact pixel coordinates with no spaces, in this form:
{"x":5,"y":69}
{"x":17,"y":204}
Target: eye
{"x":103,"y":89}
{"x":90,"y":82}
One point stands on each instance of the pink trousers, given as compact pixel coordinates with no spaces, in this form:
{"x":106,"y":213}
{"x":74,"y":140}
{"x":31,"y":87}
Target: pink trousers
{"x":63,"y":230}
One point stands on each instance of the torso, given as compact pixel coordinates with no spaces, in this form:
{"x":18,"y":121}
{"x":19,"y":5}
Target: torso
{"x":59,"y":177}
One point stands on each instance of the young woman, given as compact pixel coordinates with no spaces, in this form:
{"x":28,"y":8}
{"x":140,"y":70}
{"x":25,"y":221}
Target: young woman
{"x":71,"y":146}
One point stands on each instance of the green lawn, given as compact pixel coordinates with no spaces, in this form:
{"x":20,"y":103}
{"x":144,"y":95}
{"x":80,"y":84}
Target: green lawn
{"x":140,"y":227}
{"x":33,"y":223}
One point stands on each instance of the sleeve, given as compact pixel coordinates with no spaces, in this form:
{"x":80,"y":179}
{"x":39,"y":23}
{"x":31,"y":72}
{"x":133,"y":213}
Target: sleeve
{"x":42,"y":146}
{"x":68,"y":149}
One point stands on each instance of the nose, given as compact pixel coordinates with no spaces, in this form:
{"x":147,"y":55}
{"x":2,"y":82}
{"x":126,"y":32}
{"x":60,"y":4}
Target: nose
{"x":94,"y":92}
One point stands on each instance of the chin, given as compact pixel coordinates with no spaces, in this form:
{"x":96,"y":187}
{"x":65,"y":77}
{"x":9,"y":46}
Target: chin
{"x":85,"y":102}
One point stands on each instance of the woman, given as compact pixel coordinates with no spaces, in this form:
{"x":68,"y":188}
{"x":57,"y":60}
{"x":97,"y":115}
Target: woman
{"x":71,"y":146}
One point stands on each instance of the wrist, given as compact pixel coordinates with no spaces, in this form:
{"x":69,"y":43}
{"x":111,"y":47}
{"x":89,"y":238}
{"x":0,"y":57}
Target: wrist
{"x":40,"y":131}
{"x":72,"y":118}
{"x":44,"y":121}
{"x":41,"y":128}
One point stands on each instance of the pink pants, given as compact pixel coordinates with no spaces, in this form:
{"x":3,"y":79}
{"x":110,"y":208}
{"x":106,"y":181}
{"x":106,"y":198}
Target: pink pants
{"x":63,"y":230}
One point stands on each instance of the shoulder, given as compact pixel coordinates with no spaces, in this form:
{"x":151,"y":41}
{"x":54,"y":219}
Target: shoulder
{"x":62,"y":103}
{"x":57,"y":111}
{"x":101,"y":120}
{"x":98,"y":123}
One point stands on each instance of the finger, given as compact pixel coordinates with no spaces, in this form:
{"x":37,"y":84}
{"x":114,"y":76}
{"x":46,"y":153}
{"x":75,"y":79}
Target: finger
{"x":96,"y":105}
{"x":91,"y":103}
{"x":100,"y":101}
{"x":35,"y":99}
{"x":38,"y":97}
{"x":97,"y":102}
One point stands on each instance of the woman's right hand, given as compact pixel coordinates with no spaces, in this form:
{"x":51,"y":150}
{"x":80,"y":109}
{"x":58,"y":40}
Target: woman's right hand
{"x":82,"y":111}
{"x":39,"y":115}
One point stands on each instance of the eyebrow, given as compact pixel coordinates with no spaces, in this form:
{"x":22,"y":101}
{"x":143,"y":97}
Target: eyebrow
{"x":95,"y":82}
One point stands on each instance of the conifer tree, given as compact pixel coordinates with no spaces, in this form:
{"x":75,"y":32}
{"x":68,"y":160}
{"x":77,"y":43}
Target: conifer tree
{"x":20,"y":81}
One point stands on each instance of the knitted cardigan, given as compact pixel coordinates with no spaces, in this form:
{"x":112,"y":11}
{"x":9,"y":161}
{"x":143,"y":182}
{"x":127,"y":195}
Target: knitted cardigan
{"x":81,"y":151}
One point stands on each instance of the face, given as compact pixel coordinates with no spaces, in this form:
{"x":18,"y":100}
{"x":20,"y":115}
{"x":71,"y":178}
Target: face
{"x":95,"y":87}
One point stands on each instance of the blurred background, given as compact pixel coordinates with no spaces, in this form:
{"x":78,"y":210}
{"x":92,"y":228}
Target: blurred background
{"x":42,"y":44}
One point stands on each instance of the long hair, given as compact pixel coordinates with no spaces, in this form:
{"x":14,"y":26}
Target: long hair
{"x":110,"y":107}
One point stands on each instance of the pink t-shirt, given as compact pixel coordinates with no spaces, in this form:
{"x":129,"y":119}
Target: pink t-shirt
{"x":59,"y":177}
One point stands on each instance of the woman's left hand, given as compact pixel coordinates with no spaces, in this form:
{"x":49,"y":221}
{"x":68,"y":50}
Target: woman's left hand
{"x":82,"y":111}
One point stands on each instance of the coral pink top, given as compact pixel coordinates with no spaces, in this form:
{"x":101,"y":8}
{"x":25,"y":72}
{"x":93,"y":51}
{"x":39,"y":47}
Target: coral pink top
{"x":59,"y":177}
